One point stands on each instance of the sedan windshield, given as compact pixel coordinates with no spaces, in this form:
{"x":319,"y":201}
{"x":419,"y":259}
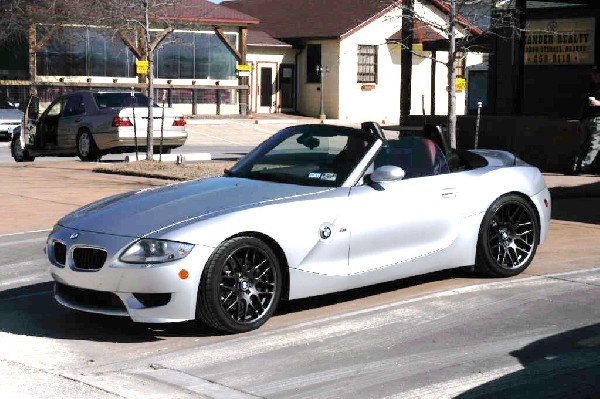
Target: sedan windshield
{"x":311,"y":155}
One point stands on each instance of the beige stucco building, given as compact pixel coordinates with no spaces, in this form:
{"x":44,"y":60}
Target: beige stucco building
{"x":359,"y":53}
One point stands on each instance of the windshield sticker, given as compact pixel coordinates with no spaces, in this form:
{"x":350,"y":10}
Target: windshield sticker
{"x":314,"y":175}
{"x":329,"y":176}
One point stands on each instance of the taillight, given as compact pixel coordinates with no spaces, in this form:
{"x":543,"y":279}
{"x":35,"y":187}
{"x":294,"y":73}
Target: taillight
{"x":118,"y":121}
{"x":179,"y":121}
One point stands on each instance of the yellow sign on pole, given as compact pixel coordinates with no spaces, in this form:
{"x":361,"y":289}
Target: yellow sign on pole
{"x":461,"y":84}
{"x":141,"y":67}
{"x":244,"y":68}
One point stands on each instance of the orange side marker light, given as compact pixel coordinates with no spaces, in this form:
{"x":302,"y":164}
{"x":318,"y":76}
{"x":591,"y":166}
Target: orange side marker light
{"x":184,"y":274}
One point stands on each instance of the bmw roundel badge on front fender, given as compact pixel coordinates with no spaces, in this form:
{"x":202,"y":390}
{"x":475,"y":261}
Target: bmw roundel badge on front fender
{"x":325,"y":231}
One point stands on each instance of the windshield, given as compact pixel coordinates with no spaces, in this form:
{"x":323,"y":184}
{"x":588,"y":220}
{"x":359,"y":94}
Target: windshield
{"x":120,"y":100}
{"x":311,"y":155}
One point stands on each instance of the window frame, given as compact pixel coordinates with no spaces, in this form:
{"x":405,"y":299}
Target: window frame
{"x":366,"y":64}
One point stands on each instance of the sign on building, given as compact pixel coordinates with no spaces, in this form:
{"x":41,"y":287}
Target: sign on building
{"x":560,"y":41}
{"x":141,"y":67}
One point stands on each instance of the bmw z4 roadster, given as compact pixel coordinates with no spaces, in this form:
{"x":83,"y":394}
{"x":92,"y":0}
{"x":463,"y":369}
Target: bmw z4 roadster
{"x":314,"y":209}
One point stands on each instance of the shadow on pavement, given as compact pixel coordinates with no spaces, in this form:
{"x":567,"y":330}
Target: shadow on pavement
{"x":562,"y":366}
{"x":32,"y":311}
{"x":577,"y":203}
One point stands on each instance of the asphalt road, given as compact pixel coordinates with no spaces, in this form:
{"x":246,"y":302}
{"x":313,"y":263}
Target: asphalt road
{"x":531,"y":337}
{"x":443,"y":335}
{"x":223,"y":139}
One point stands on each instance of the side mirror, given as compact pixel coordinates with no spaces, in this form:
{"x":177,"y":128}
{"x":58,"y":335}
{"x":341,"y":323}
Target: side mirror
{"x":387,"y":173}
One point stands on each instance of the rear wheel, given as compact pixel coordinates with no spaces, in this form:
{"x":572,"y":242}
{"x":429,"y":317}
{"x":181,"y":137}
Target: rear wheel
{"x":19,"y":153}
{"x":86,"y":147}
{"x":508,"y":237}
{"x":240,"y":287}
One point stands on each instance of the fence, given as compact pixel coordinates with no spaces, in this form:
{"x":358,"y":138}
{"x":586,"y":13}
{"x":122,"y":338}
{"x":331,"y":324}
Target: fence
{"x":191,"y":100}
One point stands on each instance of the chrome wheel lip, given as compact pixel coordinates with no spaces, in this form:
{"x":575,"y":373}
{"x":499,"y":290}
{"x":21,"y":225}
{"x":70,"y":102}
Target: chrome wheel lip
{"x":512,"y":235}
{"x":248,"y":285}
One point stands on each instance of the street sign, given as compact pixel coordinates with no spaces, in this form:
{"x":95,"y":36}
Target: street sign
{"x":243,"y":74}
{"x":461,"y":84}
{"x":141,"y":67}
{"x":244,"y":68}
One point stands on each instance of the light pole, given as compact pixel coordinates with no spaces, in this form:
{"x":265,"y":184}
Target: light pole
{"x":322,"y":71}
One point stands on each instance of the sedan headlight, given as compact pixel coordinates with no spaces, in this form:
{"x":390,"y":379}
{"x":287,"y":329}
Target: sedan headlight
{"x":148,"y":250}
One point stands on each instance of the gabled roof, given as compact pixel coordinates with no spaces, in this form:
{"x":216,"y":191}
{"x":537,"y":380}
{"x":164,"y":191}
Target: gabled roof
{"x":203,"y":11}
{"x":295,"y":19}
{"x":421,"y":33}
{"x":259,"y":38}
{"x":318,"y":19}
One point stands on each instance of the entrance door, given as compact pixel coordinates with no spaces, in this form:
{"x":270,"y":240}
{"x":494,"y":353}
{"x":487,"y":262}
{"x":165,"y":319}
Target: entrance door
{"x":286,"y":86}
{"x":267,"y":88}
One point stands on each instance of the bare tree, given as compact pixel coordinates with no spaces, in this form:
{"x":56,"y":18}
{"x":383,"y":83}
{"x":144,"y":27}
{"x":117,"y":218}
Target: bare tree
{"x":142,"y":25}
{"x":465,"y":23}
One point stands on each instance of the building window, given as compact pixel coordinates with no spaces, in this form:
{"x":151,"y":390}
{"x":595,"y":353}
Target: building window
{"x":367,"y":64}
{"x":81,"y":51}
{"x":198,"y":55}
{"x":313,"y":60}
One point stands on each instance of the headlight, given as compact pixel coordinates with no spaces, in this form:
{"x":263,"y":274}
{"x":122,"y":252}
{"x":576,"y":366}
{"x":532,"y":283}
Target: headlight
{"x":148,"y":250}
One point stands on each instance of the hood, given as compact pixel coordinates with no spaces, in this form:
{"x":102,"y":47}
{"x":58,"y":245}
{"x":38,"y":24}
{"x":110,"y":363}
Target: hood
{"x":10,"y":115}
{"x":139,"y":213}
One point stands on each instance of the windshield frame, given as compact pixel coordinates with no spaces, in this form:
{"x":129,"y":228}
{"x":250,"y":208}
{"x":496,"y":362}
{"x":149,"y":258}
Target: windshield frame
{"x":243,"y":168}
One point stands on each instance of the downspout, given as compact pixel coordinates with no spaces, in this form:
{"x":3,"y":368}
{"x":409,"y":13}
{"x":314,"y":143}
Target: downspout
{"x":297,"y":83}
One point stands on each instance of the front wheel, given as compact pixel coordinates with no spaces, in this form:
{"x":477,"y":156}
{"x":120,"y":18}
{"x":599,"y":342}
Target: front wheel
{"x":240,"y":286}
{"x":86,"y":147}
{"x":508,"y":237}
{"x":19,"y":153}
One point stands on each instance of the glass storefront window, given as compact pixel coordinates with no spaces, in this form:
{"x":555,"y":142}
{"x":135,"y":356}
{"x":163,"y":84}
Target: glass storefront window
{"x":84,"y":51}
{"x":81,"y":51}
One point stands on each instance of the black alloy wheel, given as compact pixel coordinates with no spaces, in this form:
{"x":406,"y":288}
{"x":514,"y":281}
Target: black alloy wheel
{"x":240,"y":286}
{"x":508,"y":237}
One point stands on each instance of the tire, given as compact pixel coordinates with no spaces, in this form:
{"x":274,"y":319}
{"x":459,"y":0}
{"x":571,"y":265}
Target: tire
{"x":508,"y":237}
{"x":19,"y":153}
{"x":87,"y":150}
{"x":240,"y":286}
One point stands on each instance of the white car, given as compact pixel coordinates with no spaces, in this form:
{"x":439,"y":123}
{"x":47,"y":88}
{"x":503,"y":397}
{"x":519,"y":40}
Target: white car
{"x":313,"y":210}
{"x":10,"y":118}
{"x":90,"y":124}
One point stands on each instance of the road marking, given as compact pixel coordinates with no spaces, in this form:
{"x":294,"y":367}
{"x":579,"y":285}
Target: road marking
{"x":28,"y":241}
{"x":219,"y":138}
{"x":253,"y":127}
{"x":25,"y":279}
{"x":23,"y":233}
{"x":196,"y":384}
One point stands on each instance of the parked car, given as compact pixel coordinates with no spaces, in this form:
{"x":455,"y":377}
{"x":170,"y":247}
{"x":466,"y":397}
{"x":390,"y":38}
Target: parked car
{"x":90,"y":124}
{"x":10,"y":117}
{"x":314,"y":209}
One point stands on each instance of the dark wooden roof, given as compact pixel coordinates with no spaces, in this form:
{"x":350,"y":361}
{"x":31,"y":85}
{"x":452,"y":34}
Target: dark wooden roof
{"x":295,"y":19}
{"x":260,"y":38}
{"x":422,"y":34}
{"x":203,"y":11}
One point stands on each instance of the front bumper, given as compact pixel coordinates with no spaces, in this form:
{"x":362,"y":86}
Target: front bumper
{"x":146,"y":293}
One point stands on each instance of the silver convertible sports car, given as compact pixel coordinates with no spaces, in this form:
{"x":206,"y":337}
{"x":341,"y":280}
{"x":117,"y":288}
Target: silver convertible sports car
{"x":314,"y":209}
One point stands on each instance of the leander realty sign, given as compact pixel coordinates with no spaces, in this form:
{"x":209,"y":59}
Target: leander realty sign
{"x":560,"y":41}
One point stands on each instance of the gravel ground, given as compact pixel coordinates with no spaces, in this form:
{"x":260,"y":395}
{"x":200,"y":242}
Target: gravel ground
{"x":167,"y":170}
